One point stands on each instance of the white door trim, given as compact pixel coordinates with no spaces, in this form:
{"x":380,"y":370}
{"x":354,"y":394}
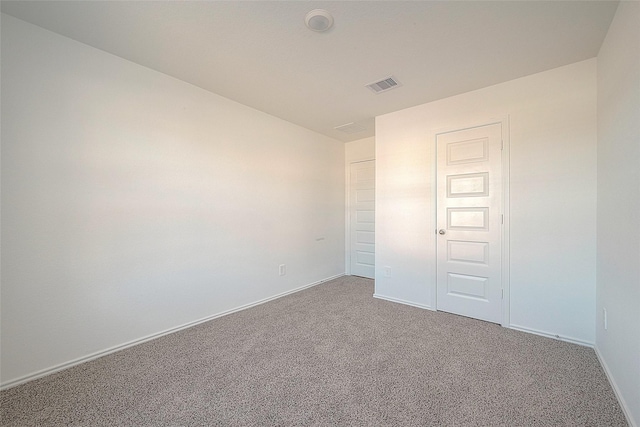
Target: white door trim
{"x":347,"y":228}
{"x":504,"y":121}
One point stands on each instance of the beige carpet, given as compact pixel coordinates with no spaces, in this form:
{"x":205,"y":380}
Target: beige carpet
{"x":329,"y":355}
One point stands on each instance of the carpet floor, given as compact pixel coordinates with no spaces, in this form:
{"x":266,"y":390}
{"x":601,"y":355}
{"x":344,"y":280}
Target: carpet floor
{"x":328,"y":355}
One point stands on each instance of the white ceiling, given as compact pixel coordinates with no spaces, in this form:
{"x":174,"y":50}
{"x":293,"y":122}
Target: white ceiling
{"x":262,"y":55}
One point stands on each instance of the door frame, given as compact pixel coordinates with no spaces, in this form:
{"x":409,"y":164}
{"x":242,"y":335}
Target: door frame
{"x":347,"y":239}
{"x":504,"y":208}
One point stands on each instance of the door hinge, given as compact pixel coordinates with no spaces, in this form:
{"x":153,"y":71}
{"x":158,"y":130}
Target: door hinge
{"x":502,"y":294}
{"x":502,"y":219}
{"x":502,"y":145}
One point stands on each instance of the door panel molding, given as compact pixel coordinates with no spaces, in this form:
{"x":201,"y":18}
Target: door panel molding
{"x":360,"y":230}
{"x":470,"y":189}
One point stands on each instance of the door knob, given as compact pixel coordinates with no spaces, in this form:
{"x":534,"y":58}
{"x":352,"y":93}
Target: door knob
{"x":441,"y":232}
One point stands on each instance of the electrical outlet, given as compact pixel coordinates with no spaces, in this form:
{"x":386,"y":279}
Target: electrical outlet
{"x":604,"y":319}
{"x":387,"y":271}
{"x":283,"y":269}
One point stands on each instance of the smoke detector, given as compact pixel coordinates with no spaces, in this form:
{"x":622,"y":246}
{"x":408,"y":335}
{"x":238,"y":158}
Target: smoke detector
{"x":318,"y":20}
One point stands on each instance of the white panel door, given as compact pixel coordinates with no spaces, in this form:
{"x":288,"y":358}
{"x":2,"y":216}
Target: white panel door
{"x":362,"y":218}
{"x":469,"y":220}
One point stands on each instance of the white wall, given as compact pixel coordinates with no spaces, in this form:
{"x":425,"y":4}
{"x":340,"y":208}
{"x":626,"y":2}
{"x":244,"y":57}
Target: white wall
{"x":618,"y":257}
{"x":133,"y":203}
{"x":552,"y":118}
{"x":360,"y":150}
{"x":354,"y":151}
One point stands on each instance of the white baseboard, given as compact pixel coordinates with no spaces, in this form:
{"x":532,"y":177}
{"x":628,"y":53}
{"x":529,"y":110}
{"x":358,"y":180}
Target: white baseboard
{"x":552,"y":335}
{"x":616,"y":390}
{"x":101,"y":353}
{"x":405,"y":302}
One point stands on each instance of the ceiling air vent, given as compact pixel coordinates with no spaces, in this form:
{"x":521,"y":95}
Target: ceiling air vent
{"x":351,"y":128}
{"x":384,"y":85}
